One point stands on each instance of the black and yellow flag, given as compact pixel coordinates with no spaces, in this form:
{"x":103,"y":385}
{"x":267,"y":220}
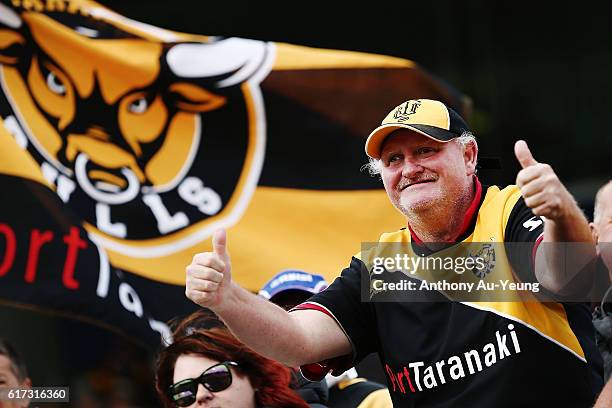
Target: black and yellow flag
{"x":124,"y":146}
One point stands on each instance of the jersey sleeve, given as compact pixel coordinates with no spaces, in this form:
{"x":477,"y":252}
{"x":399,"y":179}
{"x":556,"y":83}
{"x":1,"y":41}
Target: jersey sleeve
{"x":523,"y":234}
{"x":342,"y":301}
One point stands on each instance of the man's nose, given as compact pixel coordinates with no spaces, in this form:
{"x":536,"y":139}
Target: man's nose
{"x":411,"y":167}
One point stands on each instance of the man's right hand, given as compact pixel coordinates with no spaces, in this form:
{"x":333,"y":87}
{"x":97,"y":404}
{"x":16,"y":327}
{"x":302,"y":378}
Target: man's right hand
{"x":209,"y":274}
{"x":298,"y":335}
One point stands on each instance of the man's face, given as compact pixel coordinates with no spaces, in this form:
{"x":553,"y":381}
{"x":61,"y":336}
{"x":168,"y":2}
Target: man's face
{"x":8,"y":379}
{"x":602,"y":229}
{"x":419,"y":173}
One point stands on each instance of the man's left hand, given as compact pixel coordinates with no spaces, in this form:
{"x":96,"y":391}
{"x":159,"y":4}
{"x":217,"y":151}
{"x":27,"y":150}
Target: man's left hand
{"x":541,"y":188}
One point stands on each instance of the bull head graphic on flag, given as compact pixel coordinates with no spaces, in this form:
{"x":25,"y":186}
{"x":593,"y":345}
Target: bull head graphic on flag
{"x":115,"y":117}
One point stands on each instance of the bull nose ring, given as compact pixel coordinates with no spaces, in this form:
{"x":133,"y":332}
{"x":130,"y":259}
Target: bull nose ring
{"x":80,"y":169}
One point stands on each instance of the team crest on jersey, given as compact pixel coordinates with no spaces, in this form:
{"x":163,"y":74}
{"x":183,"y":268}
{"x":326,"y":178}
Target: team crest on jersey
{"x":148,"y":135}
{"x":487,"y":254}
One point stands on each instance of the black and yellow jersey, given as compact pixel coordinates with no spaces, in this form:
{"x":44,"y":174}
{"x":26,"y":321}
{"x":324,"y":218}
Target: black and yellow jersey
{"x":473,"y":354}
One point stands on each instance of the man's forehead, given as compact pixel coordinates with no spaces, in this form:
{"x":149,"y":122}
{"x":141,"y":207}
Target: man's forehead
{"x":407,"y":137}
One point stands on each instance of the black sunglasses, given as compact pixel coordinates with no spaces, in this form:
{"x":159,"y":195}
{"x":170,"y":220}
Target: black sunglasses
{"x":215,"y":379}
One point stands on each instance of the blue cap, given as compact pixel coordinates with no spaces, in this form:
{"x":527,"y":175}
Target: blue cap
{"x":293,"y":279}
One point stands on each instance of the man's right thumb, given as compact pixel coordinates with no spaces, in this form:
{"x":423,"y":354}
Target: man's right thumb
{"x":219,"y":242}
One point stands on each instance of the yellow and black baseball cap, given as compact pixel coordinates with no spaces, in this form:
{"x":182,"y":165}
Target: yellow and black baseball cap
{"x":425,"y":116}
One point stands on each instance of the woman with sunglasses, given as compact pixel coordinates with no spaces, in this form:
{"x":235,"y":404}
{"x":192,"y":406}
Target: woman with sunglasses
{"x":209,"y":367}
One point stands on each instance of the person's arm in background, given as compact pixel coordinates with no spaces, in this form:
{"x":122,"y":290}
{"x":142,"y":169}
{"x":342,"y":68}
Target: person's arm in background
{"x":605,"y":398}
{"x":564,"y":223}
{"x":294,"y":339}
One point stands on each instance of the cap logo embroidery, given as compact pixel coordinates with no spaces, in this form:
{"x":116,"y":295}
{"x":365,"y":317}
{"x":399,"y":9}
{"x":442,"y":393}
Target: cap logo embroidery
{"x":403,"y":112}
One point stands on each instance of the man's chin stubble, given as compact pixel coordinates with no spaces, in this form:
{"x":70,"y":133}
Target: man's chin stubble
{"x":410,"y":209}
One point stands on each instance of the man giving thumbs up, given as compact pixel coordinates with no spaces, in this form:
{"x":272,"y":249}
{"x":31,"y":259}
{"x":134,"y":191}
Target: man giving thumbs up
{"x":564,"y":223}
{"x":437,"y":349}
{"x":209,"y":275}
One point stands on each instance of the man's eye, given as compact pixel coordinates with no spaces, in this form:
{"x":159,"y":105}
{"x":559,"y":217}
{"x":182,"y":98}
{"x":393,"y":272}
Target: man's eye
{"x":394,"y":157}
{"x":425,"y":150}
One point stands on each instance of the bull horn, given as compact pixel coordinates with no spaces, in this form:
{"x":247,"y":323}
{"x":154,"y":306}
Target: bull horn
{"x":238,"y":55}
{"x":8,"y":17}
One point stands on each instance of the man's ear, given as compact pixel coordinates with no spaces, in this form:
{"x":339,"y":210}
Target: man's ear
{"x":25,"y":384}
{"x":470,"y":156}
